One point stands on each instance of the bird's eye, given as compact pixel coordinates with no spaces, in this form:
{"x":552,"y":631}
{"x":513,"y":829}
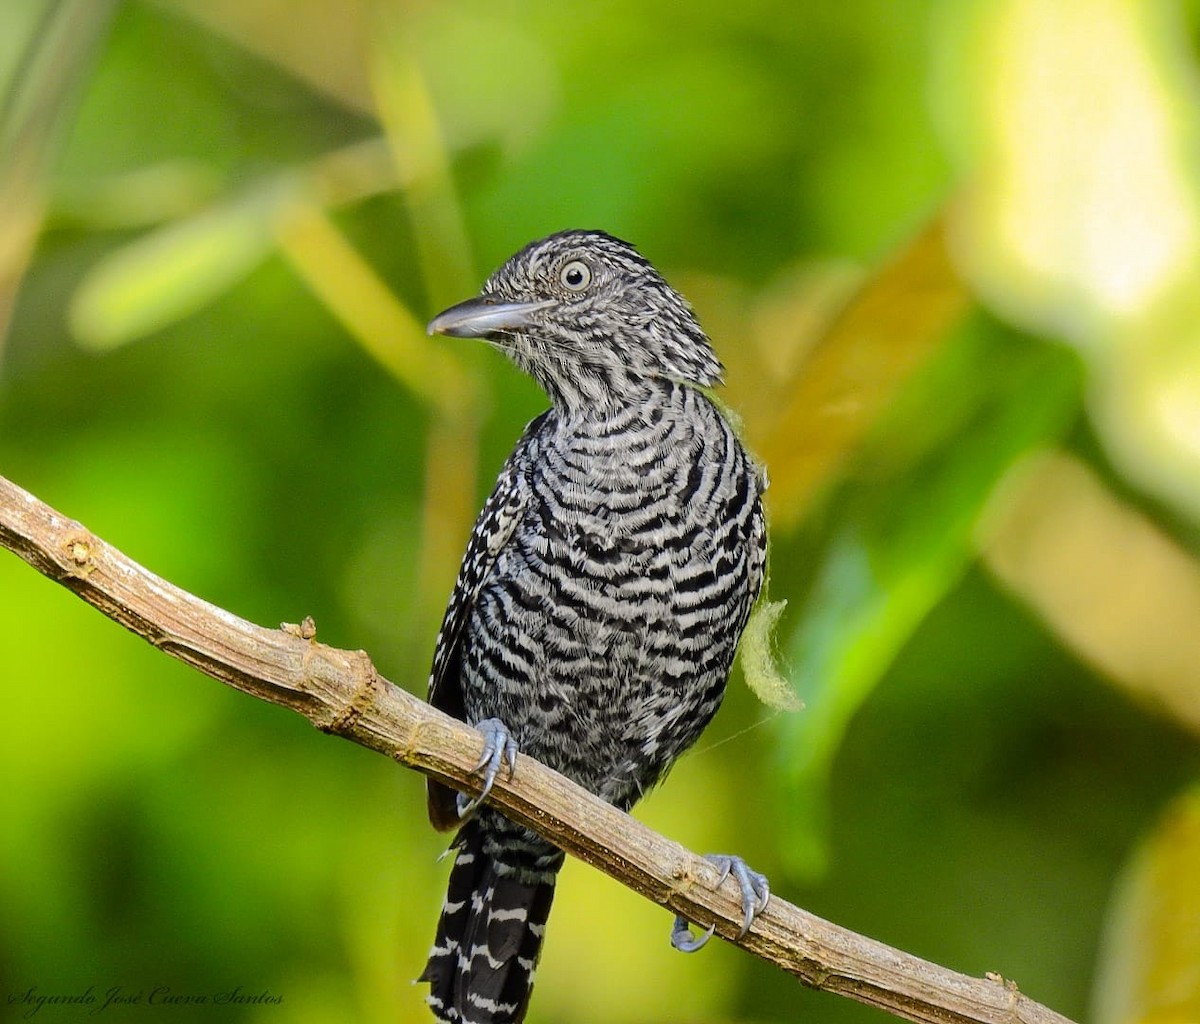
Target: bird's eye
{"x":576,"y":275}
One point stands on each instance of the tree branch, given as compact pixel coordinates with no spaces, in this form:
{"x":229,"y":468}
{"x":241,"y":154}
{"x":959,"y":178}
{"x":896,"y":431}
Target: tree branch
{"x":341,"y":692}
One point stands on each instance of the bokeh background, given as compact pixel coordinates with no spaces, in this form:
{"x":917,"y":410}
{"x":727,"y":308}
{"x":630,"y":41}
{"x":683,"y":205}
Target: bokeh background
{"x":950,"y":253}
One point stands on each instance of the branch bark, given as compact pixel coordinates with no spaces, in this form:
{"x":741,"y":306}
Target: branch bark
{"x":340,"y":692}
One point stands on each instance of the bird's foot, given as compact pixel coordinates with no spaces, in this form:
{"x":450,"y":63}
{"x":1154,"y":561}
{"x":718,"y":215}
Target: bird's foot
{"x":756,"y":894}
{"x":498,"y":747}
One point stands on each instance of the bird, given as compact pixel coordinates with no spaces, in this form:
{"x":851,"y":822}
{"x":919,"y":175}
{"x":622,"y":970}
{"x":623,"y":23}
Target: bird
{"x":603,"y":591}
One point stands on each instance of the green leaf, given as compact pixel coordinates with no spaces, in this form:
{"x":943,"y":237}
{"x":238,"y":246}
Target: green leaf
{"x":904,"y":537}
{"x":174,"y":271}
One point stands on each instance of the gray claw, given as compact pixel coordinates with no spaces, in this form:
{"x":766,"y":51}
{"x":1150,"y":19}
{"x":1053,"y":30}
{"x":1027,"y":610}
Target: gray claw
{"x":683,"y":939}
{"x":498,"y":747}
{"x":756,"y":890}
{"x":756,"y":894}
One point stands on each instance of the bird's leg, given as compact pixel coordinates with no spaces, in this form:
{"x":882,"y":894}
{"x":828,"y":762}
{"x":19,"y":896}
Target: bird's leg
{"x":498,"y":747}
{"x":756,"y":894}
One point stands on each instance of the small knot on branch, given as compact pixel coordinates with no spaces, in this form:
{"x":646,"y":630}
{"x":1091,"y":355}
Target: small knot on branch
{"x":305,"y":629}
{"x":79,"y":547}
{"x":367,"y":683}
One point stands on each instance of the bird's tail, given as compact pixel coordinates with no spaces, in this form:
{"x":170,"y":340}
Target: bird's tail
{"x":481,"y":967}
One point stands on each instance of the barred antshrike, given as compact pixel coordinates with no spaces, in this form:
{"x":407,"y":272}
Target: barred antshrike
{"x":602,"y":594}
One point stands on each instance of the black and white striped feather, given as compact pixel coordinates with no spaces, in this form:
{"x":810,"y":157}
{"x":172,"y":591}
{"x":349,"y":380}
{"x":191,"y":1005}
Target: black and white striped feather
{"x":603,"y":592}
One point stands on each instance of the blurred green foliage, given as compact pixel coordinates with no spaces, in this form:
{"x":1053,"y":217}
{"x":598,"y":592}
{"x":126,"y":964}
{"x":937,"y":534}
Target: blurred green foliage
{"x":222,"y":226}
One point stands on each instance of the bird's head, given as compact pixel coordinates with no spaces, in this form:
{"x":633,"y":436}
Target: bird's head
{"x":588,"y":317}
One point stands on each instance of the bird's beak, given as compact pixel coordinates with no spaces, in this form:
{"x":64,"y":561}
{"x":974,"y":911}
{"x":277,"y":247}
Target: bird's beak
{"x":481,"y":316}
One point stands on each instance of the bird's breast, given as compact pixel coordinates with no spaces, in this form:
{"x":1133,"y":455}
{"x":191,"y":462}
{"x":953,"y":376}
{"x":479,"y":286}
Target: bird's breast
{"x":640,"y":501}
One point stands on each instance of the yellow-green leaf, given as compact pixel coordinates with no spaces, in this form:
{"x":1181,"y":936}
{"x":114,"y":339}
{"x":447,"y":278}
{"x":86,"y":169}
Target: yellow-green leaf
{"x":172,"y":272}
{"x":1149,"y":968}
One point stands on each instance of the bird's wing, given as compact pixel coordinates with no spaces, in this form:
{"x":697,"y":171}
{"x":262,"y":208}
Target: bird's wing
{"x":499,"y":517}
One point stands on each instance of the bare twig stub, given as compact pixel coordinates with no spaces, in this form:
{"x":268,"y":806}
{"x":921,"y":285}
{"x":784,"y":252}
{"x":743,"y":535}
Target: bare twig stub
{"x":341,"y":692}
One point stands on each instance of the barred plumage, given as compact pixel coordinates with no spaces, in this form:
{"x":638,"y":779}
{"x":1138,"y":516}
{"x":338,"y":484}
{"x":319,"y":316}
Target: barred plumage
{"x":605,"y":586}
